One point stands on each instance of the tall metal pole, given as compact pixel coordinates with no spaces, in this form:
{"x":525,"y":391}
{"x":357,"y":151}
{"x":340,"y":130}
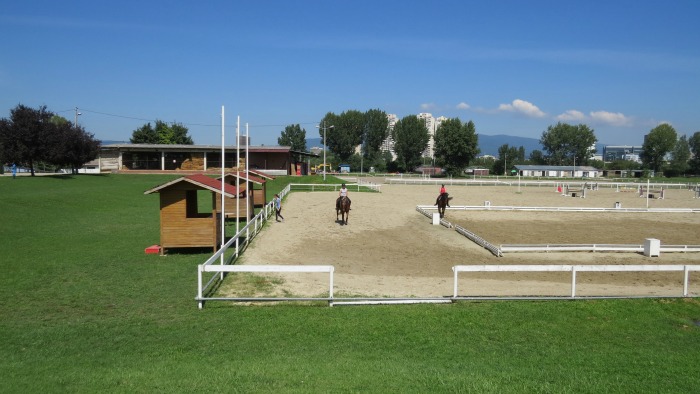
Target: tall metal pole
{"x":76,"y":117}
{"x":223,"y":182}
{"x":325,"y":145}
{"x":238,"y":178}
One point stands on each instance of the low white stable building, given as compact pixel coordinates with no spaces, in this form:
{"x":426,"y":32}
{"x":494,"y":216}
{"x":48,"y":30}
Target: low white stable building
{"x":558,"y":171}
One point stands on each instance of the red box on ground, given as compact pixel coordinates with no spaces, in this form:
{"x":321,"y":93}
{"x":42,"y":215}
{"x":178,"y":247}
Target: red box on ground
{"x":153,"y":249}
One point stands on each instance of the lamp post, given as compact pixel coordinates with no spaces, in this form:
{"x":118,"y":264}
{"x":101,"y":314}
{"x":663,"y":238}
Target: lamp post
{"x":325,"y":144}
{"x":76,"y":117}
{"x":573,"y":173}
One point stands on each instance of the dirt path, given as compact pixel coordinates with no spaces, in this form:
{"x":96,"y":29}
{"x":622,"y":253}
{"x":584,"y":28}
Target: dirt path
{"x":389,"y":249}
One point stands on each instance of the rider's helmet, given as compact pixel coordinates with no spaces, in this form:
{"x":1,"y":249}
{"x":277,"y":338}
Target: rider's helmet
{"x":343,"y":185}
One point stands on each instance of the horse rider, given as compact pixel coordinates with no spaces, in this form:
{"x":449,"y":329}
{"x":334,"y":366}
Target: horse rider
{"x":443,"y":191}
{"x":343,"y":193}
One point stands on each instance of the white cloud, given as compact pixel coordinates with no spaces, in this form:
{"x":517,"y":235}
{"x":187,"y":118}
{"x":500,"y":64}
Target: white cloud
{"x":427,"y":106}
{"x":522,"y":107}
{"x":611,"y":118}
{"x":571,"y":115}
{"x":463,"y":105}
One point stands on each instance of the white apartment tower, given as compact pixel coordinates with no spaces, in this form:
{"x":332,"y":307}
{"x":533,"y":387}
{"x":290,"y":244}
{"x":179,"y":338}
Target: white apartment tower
{"x":388,"y":144}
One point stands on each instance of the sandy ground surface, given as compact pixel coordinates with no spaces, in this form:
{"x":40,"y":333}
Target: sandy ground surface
{"x":388,"y":249}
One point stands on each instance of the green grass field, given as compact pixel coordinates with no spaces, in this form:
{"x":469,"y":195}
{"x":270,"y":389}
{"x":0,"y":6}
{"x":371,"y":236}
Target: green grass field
{"x":83,"y":309}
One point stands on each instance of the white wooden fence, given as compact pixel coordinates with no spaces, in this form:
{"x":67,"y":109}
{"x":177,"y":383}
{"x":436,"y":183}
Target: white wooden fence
{"x":511,"y":248}
{"x":574,"y":269}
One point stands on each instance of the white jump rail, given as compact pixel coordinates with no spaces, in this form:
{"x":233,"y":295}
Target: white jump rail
{"x":566,"y":209}
{"x":514,"y":248}
{"x":574,"y":269}
{"x":443,"y":221}
{"x":324,"y":187}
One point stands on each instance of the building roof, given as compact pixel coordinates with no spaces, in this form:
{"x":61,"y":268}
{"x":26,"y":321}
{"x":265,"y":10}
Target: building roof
{"x":195,"y":148}
{"x":242,"y":176}
{"x":200,"y":180}
{"x":528,"y":167}
{"x":261,"y":174}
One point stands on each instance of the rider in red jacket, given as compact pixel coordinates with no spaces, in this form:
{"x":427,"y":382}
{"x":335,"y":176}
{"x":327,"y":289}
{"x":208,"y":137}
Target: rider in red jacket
{"x":442,"y":191}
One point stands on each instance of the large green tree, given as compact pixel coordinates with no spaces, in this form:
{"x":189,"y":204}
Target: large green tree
{"x":456,"y":144}
{"x":410,"y":140}
{"x":376,"y":131}
{"x":163,"y":133}
{"x":508,"y":156}
{"x":38,"y":135}
{"x":343,"y":132}
{"x":680,"y":156}
{"x":293,"y":136}
{"x":694,"y":144}
{"x":74,"y":147}
{"x":24,"y":136}
{"x":567,"y":144}
{"x":657,"y":144}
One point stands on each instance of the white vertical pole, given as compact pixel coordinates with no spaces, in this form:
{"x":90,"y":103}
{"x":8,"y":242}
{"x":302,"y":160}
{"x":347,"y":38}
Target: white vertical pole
{"x":455,"y":284}
{"x":238,"y":178}
{"x":223,"y":182}
{"x":685,"y":280}
{"x":199,"y":286}
{"x":249,"y":185}
{"x":573,"y":282}
{"x":647,"y":193}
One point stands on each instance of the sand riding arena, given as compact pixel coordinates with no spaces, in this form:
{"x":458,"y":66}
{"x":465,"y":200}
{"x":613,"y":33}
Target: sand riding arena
{"x":388,"y":249}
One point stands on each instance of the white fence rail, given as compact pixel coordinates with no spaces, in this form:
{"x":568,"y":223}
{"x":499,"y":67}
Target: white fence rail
{"x":277,"y":269}
{"x":567,"y":209}
{"x":479,"y":241}
{"x":514,"y":248}
{"x":574,"y":269}
{"x":325,"y":187}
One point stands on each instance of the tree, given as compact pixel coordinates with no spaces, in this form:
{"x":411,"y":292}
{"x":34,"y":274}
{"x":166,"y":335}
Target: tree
{"x":376,"y":131}
{"x":694,"y":145}
{"x":293,"y":136}
{"x":145,"y":134}
{"x":345,"y":134}
{"x":456,"y":144}
{"x":566,"y":144}
{"x":680,"y":155}
{"x":537,"y":157}
{"x":163,"y":133}
{"x":410,"y":140}
{"x":24,"y":137}
{"x":74,"y":147}
{"x":657,"y":144}
{"x":508,"y":156}
{"x":31,"y":136}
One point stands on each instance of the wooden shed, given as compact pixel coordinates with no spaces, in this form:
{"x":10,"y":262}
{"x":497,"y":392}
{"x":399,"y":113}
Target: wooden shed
{"x":249,"y":196}
{"x":182,"y":224}
{"x":260,"y":194}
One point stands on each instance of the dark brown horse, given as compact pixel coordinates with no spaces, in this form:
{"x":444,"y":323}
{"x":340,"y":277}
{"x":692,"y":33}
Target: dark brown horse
{"x":442,"y":201}
{"x":343,"y":208}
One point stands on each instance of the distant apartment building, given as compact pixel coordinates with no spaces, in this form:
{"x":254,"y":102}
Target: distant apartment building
{"x":388,"y":144}
{"x":431,"y":124}
{"x":622,"y":152}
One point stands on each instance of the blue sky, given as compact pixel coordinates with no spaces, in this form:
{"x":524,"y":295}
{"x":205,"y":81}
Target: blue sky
{"x":512,"y":67}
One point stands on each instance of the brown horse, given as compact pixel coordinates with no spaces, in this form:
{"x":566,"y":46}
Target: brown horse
{"x":442,"y":201}
{"x":343,"y":208}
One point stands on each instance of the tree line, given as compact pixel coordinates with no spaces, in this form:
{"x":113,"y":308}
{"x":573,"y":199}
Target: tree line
{"x":456,"y":145}
{"x":32,"y":136}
